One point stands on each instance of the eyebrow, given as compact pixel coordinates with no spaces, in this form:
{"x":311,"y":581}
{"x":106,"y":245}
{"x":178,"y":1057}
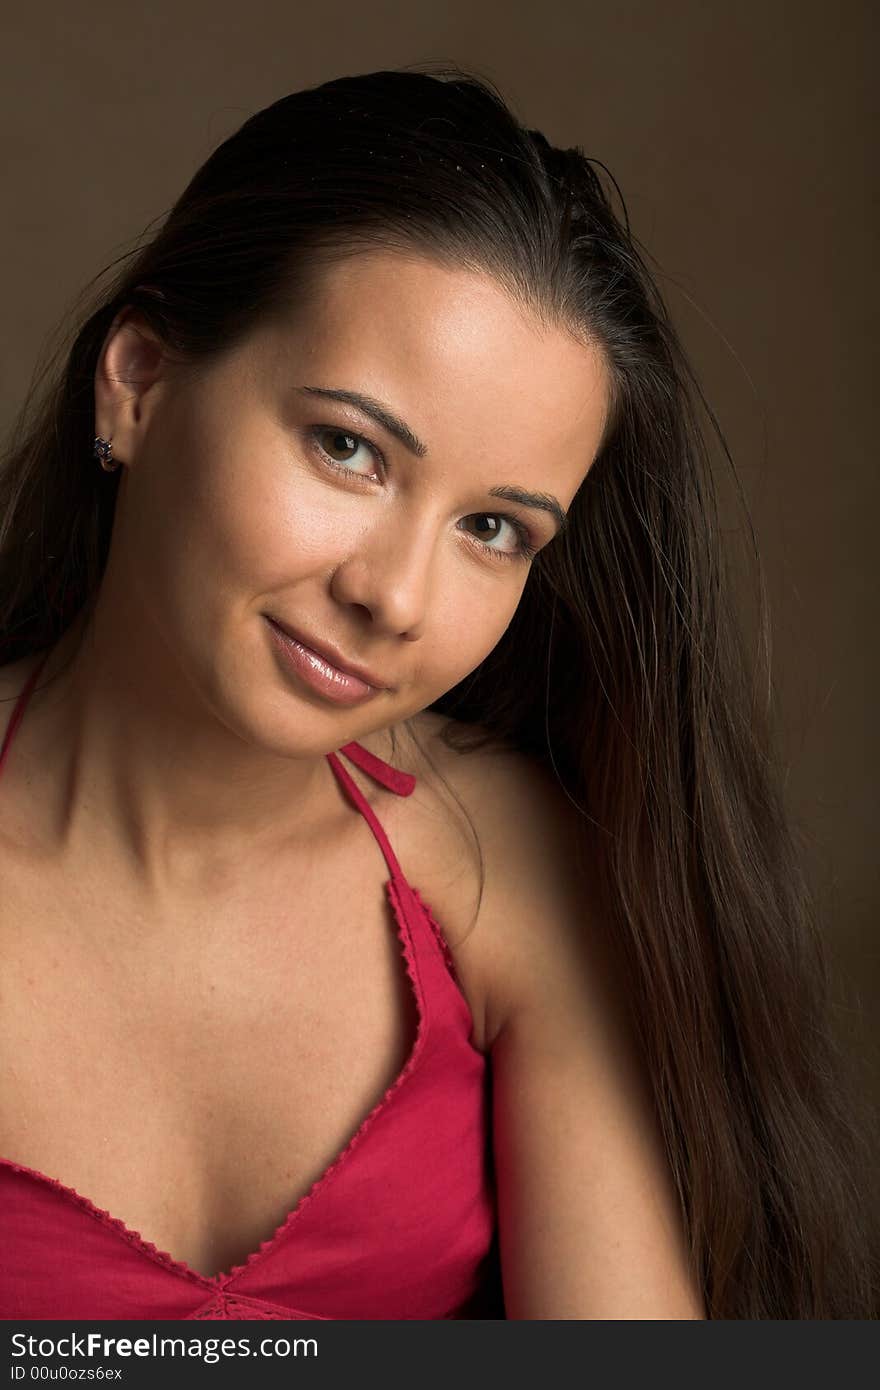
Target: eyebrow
{"x":538,"y":501}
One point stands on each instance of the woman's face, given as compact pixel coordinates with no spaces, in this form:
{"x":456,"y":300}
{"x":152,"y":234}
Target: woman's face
{"x":254,"y":492}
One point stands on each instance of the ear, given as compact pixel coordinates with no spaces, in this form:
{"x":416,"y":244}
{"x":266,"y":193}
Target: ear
{"x":128,"y":381}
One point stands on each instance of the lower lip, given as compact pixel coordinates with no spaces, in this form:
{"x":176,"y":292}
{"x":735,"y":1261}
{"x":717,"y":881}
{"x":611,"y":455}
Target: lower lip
{"x":317,"y":673}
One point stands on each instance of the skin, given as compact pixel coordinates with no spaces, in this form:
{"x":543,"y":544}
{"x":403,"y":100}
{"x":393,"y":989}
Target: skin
{"x":172,"y":747}
{"x":227,"y":511}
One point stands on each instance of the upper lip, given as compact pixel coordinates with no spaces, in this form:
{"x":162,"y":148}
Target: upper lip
{"x":334,"y":657}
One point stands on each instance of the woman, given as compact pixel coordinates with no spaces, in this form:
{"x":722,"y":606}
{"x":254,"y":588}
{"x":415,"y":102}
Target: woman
{"x":394,"y":581}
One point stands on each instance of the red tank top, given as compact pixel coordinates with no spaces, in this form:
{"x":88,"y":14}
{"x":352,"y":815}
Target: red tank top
{"x":401,"y":1225}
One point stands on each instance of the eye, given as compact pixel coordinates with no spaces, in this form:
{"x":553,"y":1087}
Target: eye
{"x":490,"y":525}
{"x":329,"y":441}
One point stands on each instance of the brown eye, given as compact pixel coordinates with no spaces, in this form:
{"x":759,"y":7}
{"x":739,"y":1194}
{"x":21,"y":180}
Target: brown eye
{"x":488,"y":526}
{"x":341,"y":449}
{"x":338,"y":442}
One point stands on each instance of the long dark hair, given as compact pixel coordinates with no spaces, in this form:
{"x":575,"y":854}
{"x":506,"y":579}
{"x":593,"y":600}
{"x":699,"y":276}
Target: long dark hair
{"x":637,"y":691}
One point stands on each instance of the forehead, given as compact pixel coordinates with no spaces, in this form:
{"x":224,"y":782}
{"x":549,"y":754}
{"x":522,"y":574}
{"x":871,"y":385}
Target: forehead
{"x":475,"y":375}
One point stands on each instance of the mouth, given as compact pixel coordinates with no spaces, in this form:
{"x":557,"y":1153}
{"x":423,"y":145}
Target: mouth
{"x":322,"y":667}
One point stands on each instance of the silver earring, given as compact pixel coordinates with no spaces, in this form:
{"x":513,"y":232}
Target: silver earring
{"x":103,"y":450}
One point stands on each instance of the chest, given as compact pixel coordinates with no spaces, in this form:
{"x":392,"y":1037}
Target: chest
{"x":195,"y":1077}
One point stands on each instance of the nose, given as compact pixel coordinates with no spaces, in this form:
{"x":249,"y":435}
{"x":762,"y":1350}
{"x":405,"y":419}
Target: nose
{"x":389,"y":574}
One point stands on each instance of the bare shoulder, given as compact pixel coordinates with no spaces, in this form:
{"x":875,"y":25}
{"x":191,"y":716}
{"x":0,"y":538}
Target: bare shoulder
{"x":499,"y":852}
{"x":589,"y":1215}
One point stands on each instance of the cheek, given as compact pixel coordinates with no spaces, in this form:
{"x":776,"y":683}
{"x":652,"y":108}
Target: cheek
{"x":465,"y":630}
{"x":233,"y":532}
{"x":293,"y":534}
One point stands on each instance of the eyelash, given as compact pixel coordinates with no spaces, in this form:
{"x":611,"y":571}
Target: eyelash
{"x":526,"y":549}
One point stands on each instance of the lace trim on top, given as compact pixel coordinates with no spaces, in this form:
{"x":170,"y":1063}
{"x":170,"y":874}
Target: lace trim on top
{"x":221,"y":1280}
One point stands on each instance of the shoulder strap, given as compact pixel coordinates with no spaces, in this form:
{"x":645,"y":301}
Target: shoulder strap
{"x":400,"y":782}
{"x":18,"y":710}
{"x":358,"y":800}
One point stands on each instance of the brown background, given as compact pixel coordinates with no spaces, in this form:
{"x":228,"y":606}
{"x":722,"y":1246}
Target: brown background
{"x":740,"y":137}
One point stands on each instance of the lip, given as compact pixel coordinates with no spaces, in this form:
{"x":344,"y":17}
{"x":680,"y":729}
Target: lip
{"x":322,"y":667}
